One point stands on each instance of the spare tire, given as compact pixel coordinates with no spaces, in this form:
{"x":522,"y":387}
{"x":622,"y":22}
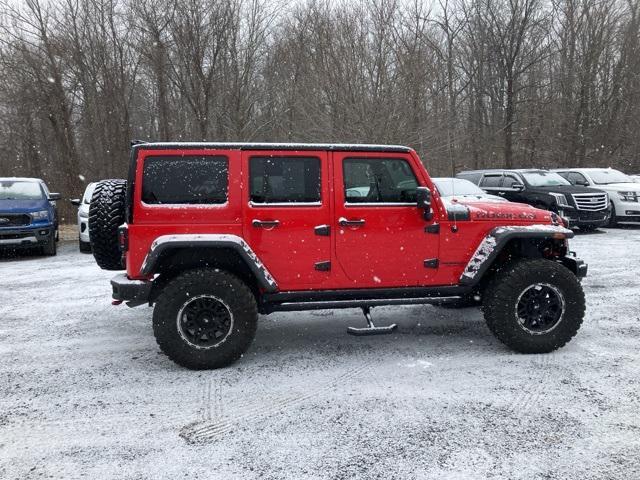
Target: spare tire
{"x":106,"y":214}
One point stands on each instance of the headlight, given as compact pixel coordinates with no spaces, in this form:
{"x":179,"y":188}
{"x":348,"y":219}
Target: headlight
{"x":628,"y":196}
{"x":561,"y":200}
{"x":40,"y":215}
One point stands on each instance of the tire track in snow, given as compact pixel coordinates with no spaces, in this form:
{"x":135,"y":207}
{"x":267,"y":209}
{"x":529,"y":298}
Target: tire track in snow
{"x":210,"y":428}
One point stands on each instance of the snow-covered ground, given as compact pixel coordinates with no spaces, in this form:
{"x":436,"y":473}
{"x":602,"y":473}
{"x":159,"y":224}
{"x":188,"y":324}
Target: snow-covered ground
{"x":85,"y":392}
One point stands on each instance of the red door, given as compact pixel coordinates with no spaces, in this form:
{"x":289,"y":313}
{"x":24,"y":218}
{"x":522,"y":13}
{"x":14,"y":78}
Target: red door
{"x":288,"y":205}
{"x":381,"y":239}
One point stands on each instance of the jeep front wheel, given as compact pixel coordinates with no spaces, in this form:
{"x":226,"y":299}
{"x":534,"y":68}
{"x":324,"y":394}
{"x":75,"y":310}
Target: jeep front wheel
{"x":534,"y":305}
{"x":205,"y":319}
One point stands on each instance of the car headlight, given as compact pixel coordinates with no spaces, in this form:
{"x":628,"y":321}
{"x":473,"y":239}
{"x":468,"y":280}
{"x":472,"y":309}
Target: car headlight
{"x":40,"y":215}
{"x":629,"y":196}
{"x":561,"y":200}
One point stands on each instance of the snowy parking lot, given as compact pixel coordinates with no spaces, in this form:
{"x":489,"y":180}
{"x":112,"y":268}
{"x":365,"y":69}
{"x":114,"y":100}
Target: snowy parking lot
{"x":86,"y":393}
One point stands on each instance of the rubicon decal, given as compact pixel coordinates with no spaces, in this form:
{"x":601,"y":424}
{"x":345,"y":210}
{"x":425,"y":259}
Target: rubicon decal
{"x":507,"y":215}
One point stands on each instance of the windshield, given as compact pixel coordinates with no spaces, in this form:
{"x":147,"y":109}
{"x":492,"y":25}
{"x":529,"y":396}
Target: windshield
{"x":448,"y":187}
{"x":608,"y":175}
{"x":544,"y":179}
{"x":19,"y":190}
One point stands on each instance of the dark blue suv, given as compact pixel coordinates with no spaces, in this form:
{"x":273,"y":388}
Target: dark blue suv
{"x":28,"y":217}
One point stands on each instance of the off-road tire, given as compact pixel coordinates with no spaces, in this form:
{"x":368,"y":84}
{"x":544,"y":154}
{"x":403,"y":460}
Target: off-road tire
{"x":204,"y":281}
{"x":50,"y":248}
{"x":85,"y":247}
{"x":502,"y":294}
{"x":106,"y":214}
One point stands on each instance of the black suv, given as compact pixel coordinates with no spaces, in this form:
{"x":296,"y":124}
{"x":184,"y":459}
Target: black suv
{"x":582,"y":207}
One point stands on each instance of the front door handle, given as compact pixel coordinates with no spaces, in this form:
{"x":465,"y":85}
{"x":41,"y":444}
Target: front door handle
{"x":343,"y":222}
{"x":265,"y":223}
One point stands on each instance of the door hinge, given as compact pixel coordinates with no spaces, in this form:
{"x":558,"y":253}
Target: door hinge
{"x":433,"y":228}
{"x":322,"y":230}
{"x":431,"y":263}
{"x":323,"y":266}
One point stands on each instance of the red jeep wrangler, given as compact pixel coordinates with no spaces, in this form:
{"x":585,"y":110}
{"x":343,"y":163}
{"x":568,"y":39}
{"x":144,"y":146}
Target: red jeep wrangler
{"x":214,"y":233}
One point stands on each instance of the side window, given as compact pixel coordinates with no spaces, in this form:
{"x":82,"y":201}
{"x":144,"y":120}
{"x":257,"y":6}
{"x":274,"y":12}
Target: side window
{"x":284,"y":179}
{"x":378,"y":180}
{"x":576,"y":178}
{"x":189,"y":179}
{"x":509,"y":181}
{"x":491,"y":181}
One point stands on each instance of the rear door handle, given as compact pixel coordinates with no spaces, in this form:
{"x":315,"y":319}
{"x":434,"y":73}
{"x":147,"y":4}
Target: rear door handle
{"x":343,"y":222}
{"x":265,"y":223}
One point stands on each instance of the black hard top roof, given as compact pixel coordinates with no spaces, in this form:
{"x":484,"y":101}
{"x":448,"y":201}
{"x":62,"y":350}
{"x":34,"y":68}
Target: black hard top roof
{"x":350,"y":147}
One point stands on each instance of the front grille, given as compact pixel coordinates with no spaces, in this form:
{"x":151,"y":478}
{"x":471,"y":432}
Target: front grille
{"x":591,"y":201}
{"x":14,"y":220}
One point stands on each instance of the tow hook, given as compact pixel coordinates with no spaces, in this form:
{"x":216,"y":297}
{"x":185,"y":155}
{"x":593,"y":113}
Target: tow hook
{"x":116,"y":302}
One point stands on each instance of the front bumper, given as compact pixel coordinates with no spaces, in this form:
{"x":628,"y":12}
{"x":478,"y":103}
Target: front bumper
{"x":575,"y":264}
{"x":31,"y":236}
{"x":577,"y":218}
{"x":133,"y":292}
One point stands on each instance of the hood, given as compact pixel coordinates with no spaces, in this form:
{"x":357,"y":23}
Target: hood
{"x":463,"y":209}
{"x":567,"y":189}
{"x":487,"y":197}
{"x":621,"y":187}
{"x":23,"y":206}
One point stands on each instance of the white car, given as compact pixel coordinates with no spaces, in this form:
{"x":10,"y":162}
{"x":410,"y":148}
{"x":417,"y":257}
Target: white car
{"x":636,"y":178}
{"x":83,"y":218}
{"x":624,"y":193}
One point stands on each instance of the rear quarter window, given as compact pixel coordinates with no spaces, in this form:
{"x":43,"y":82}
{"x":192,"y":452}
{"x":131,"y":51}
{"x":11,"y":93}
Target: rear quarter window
{"x":188,"y":179}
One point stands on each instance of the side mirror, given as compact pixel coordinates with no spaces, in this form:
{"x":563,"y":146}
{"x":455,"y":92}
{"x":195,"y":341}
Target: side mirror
{"x":518,"y":186}
{"x":582,"y":183}
{"x":54,"y":196}
{"x":423,"y":198}
{"x":75,"y":201}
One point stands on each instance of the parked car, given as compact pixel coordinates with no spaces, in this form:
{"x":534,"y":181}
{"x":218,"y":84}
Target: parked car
{"x":28,"y":217}
{"x":213,"y":234}
{"x":635,"y":178}
{"x":83,"y":218}
{"x":624,"y":193}
{"x":582,"y":207}
{"x":463,"y":189}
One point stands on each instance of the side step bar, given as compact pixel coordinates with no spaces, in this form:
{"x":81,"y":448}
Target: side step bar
{"x":355,"y":303}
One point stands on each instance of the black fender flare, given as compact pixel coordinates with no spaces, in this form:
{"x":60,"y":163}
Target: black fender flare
{"x":168,"y":242}
{"x":497,"y":239}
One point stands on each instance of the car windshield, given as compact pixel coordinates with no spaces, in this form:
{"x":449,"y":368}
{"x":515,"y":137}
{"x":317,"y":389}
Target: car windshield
{"x":20,"y":190}
{"x":609,"y":175}
{"x":448,"y":187}
{"x":544,"y":179}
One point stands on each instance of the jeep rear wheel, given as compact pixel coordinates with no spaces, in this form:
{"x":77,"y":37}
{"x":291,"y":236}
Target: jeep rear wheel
{"x":534,"y":305}
{"x":205,"y":319}
{"x":106,"y":214}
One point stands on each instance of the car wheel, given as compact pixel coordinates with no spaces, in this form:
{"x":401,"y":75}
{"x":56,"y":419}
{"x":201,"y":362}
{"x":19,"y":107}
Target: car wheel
{"x":106,"y":214}
{"x":534,"y":305}
{"x":613,"y":221}
{"x":50,"y":248}
{"x":205,"y":319}
{"x":85,"y":247}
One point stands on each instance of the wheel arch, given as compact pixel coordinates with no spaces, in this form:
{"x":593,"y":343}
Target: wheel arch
{"x":172,"y":254}
{"x":502,"y":244}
